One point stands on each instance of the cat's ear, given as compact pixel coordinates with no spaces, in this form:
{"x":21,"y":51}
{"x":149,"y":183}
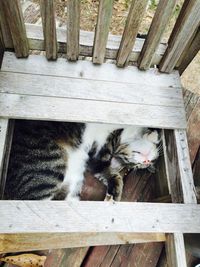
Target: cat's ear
{"x":152,"y":137}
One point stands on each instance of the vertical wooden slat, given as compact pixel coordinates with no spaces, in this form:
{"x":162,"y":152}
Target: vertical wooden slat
{"x":6,"y":133}
{"x":175,"y":250}
{"x":181,"y":187}
{"x":1,"y":49}
{"x":13,"y":11}
{"x":73,"y":29}
{"x":102,"y":30}
{"x":136,"y":12}
{"x":190,"y":53}
{"x":183,"y":30}
{"x":49,"y":28}
{"x":160,"y":20}
{"x":5,"y":30}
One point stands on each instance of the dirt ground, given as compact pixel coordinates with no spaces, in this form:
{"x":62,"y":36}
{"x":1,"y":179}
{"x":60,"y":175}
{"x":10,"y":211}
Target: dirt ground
{"x":89,"y":8}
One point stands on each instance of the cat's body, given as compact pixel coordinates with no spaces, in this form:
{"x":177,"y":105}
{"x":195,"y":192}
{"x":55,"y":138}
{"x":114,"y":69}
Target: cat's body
{"x":48,"y":158}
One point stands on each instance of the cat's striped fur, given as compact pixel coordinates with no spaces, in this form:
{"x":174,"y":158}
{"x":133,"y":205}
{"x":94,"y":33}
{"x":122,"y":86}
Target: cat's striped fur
{"x":48,"y":159}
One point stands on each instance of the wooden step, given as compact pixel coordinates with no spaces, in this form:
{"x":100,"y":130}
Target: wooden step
{"x":35,"y":88}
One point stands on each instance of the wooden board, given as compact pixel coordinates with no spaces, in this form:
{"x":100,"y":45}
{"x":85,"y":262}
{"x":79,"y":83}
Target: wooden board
{"x":36,"y":42}
{"x":102,"y":30}
{"x":184,"y":29}
{"x":4,"y":28}
{"x":73,"y":28}
{"x":76,"y":218}
{"x":136,"y":12}
{"x":6,"y":134}
{"x":13,"y":11}
{"x":159,"y":22}
{"x":59,"y":90}
{"x":49,"y":28}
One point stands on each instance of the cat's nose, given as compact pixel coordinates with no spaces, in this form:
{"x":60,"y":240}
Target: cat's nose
{"x":146,"y":161}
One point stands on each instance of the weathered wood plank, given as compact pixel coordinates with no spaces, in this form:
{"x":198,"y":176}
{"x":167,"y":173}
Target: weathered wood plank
{"x":175,"y":250}
{"x":134,"y":19}
{"x":187,"y":182}
{"x":4,"y":27}
{"x":12,"y":9}
{"x":33,"y":241}
{"x":191,"y":53}
{"x":6,"y":134}
{"x":77,"y":218}
{"x":73,"y":28}
{"x":40,"y":85}
{"x":184,"y":29}
{"x":49,"y":28}
{"x":160,"y":20}
{"x":102,"y":30}
{"x":36,"y":64}
{"x":78,"y":110}
{"x":1,"y":49}
{"x":36,"y":42}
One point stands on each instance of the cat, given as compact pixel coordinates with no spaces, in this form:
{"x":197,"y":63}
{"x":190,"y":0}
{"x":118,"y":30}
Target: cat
{"x":48,"y":159}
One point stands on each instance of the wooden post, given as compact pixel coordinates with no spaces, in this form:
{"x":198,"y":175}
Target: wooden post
{"x":73,"y":28}
{"x":102,"y":30}
{"x":13,"y":11}
{"x":6,"y":133}
{"x":49,"y":28}
{"x":190,"y":53}
{"x":160,"y":20}
{"x":133,"y":21}
{"x":4,"y":27}
{"x":184,"y":28}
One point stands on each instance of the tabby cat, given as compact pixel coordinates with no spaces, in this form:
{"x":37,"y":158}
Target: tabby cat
{"x":48,"y":159}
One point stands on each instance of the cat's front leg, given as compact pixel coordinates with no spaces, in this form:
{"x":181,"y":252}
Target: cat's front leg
{"x":115,"y":187}
{"x":75,"y":173}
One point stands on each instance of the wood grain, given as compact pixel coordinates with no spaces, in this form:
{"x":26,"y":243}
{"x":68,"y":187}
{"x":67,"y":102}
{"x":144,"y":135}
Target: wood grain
{"x":36,"y":42}
{"x":183,"y":30}
{"x":133,"y":21}
{"x":36,"y":64}
{"x":18,"y":106}
{"x":6,"y":134}
{"x":190,"y":53}
{"x":102,"y":30}
{"x":12,"y":10}
{"x":73,"y":28}
{"x":159,"y":22}
{"x":4,"y":27}
{"x":77,"y":218}
{"x":49,"y":28}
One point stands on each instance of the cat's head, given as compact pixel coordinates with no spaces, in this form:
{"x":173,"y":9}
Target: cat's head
{"x":138,"y":153}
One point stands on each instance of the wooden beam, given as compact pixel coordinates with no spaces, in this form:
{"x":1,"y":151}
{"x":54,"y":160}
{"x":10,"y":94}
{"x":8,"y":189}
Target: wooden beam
{"x":102,"y":30}
{"x":181,"y":187}
{"x":4,"y":28}
{"x":49,"y":28}
{"x":13,"y":11}
{"x":36,"y":42}
{"x":175,"y":249}
{"x":135,"y":16}
{"x":160,"y":20}
{"x":73,"y":28}
{"x":184,"y":29}
{"x":6,"y":133}
{"x":39,"y":217}
{"x":190,"y":53}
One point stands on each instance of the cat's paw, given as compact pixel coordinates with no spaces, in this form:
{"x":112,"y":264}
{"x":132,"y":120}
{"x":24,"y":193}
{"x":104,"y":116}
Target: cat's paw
{"x":109,"y":198}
